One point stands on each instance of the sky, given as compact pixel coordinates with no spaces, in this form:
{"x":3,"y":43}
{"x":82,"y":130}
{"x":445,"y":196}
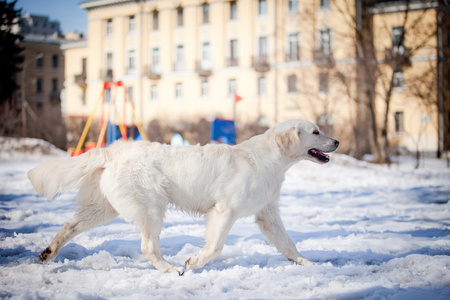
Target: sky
{"x":70,"y":16}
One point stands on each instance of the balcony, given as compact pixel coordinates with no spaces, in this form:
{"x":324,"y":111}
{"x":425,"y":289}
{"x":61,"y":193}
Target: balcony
{"x":80,"y":80}
{"x":323,"y":57}
{"x":292,"y":56}
{"x":261,"y":63}
{"x":397,"y":56}
{"x":107,"y":75}
{"x":232,"y":62}
{"x":54,"y":97}
{"x":204,"y":68}
{"x":154,"y":72}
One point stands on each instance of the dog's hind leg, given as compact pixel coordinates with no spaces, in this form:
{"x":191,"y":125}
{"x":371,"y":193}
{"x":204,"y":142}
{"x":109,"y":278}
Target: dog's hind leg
{"x":270,"y":223}
{"x":219,"y":222}
{"x":151,"y":228}
{"x":93,"y":210}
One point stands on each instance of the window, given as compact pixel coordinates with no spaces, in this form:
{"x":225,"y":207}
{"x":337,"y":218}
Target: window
{"x":107,"y":93}
{"x":179,"y":58}
{"x":231,"y":87}
{"x":262,"y":7}
{"x":131,"y":24}
{"x":323,"y":82}
{"x":155,"y":67}
{"x":55,"y":61}
{"x":179,"y":16}
{"x":109,"y":27}
{"x":233,"y":58}
{"x":204,"y":88}
{"x":261,"y":86}
{"x":398,"y":40}
{"x":54,"y":84}
{"x":293,"y":47}
{"x":324,"y":3}
{"x":154,"y":93}
{"x":178,"y":91}
{"x":233,"y":10}
{"x":155,"y":20}
{"x":131,"y":60}
{"x":399,"y":121}
{"x":292,"y":84}
{"x":325,"y":42}
{"x":262,"y":46}
{"x":39,"y":85}
{"x":109,"y":61}
{"x":83,"y":97}
{"x":130,"y":93}
{"x":40,"y":62}
{"x":293,"y":6}
{"x":206,"y":56}
{"x":84,"y":66}
{"x":398,"y":80}
{"x":205,"y":13}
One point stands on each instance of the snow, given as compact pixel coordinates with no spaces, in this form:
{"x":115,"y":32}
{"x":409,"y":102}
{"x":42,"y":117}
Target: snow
{"x":375,"y":232}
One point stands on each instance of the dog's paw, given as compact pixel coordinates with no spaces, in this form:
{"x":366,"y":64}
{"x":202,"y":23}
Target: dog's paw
{"x":191,"y":263}
{"x":173,"y":269}
{"x":180,"y":271}
{"x":304,"y":262}
{"x":45,"y":255}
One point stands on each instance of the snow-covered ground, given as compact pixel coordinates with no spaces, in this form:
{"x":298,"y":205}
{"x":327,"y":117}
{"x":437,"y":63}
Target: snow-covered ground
{"x":375,"y":232}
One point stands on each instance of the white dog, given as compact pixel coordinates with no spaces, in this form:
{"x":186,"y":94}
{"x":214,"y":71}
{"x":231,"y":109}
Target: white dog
{"x":139,"y":180}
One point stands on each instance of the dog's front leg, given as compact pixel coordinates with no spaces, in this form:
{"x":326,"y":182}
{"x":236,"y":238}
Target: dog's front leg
{"x":219,"y":222}
{"x":270,"y":223}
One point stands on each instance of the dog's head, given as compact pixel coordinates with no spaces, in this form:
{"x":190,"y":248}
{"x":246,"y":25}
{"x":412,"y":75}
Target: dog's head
{"x":300,"y":139}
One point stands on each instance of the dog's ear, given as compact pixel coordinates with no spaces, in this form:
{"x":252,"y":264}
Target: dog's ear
{"x":286,"y":141}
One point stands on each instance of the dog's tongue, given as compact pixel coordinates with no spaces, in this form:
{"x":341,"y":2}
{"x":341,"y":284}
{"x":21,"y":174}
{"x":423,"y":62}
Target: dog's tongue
{"x":320,"y":155}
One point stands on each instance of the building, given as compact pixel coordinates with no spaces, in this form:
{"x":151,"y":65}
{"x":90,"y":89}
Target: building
{"x":408,"y":41}
{"x":183,"y":62}
{"x":41,"y":79}
{"x":38,"y":25}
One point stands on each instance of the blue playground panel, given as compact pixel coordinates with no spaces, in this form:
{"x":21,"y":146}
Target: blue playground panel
{"x":113,"y":133}
{"x":223,"y":131}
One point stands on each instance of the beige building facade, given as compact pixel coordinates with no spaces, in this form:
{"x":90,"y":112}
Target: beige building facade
{"x":41,"y":79}
{"x":182,"y":62}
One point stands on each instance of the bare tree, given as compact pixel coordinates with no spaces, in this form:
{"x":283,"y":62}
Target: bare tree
{"x":378,"y":69}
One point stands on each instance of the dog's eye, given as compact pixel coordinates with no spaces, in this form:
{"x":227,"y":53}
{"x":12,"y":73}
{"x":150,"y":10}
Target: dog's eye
{"x":316,"y":132}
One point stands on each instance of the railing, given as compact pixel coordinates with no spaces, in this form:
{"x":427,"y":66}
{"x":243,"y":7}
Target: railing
{"x":398,"y":56}
{"x":323,"y":57}
{"x":204,"y":68}
{"x":80,"y":79}
{"x":54,"y":96}
{"x":107,"y":75}
{"x":154,"y":71}
{"x":261,"y":63}
{"x":232,"y":61}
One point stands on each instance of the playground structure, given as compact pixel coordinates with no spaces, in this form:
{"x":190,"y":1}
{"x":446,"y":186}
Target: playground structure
{"x":113,"y":119}
{"x":114,"y":116}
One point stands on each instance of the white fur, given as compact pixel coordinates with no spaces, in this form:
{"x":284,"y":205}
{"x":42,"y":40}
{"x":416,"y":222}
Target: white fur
{"x":138,"y":180}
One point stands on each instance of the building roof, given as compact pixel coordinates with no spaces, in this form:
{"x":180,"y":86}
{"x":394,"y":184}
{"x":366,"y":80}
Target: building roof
{"x":90,"y":4}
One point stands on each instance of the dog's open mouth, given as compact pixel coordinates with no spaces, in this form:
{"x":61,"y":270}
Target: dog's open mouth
{"x":319,"y":155}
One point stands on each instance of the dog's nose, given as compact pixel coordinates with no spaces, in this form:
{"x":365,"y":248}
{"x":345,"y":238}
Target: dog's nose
{"x":336,"y":143}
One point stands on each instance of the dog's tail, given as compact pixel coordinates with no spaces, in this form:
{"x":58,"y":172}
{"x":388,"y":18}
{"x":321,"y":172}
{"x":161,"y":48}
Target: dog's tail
{"x":66,"y":174}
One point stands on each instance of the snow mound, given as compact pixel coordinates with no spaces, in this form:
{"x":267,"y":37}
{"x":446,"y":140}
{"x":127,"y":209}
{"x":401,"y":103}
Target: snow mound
{"x":27,"y":149}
